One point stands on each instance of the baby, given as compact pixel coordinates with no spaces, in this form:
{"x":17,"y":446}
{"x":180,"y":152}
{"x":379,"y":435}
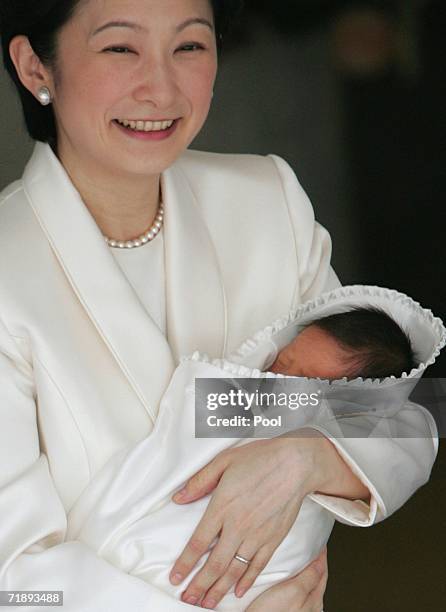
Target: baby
{"x":127,"y":514}
{"x":364,"y":342}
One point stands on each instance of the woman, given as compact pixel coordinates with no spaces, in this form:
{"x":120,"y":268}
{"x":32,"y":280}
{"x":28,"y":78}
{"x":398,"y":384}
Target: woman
{"x":117,"y":91}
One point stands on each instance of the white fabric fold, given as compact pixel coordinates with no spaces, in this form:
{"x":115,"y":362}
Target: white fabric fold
{"x":127,"y":517}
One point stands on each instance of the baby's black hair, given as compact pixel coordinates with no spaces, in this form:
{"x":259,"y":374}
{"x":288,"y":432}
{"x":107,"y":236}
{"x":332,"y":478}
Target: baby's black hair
{"x":379,"y":346}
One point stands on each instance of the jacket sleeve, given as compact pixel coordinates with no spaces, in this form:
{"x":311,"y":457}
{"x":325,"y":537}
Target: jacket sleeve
{"x":392,"y":468}
{"x":34,"y":554}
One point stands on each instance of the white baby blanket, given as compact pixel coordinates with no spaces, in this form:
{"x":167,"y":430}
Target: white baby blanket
{"x":126,"y":514}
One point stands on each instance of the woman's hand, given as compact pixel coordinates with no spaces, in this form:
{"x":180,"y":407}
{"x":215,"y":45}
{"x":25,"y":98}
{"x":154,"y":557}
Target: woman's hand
{"x":260,"y":489}
{"x":303,"y":593}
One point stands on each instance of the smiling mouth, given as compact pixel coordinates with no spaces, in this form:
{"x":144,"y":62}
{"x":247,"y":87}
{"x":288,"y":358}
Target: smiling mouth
{"x":146,"y":126}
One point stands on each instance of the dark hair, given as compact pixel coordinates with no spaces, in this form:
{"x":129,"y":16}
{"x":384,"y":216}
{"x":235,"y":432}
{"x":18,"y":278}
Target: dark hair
{"x":380,"y":347}
{"x":226,"y":13}
{"x":41,"y":21}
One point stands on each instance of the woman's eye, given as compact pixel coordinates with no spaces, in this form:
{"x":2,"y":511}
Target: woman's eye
{"x":191,"y":47}
{"x":121,"y":50}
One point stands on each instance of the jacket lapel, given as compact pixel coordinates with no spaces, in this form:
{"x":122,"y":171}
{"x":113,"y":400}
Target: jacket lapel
{"x":196,"y":304}
{"x":137,"y":344}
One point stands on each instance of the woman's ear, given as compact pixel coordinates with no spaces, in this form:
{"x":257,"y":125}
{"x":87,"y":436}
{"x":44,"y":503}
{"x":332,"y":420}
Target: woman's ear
{"x":31,"y":72}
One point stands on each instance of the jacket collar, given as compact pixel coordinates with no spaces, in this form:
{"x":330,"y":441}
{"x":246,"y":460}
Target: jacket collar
{"x":196,"y":302}
{"x":195,"y":297}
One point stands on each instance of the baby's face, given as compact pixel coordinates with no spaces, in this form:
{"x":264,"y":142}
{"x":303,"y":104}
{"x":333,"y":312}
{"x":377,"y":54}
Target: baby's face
{"x":312,"y":354}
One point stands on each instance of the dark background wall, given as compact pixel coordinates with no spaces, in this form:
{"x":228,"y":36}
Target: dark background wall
{"x":350,"y":93}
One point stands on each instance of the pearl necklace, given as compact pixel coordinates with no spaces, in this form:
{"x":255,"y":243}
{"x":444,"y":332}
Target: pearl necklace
{"x":148,"y":236}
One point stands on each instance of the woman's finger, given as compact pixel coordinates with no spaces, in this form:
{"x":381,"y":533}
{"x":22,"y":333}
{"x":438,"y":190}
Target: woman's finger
{"x":315,"y":600}
{"x":215,"y":567}
{"x":219,"y":589}
{"x":256,"y":566}
{"x":301,"y":593}
{"x":263,"y":554}
{"x":311,"y":582}
{"x":204,"y":481}
{"x":237,"y":570}
{"x":304,"y":584}
{"x":198,"y":545}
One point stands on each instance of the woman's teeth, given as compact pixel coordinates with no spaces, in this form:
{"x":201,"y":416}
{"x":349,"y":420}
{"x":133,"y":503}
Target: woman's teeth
{"x":146,"y":126}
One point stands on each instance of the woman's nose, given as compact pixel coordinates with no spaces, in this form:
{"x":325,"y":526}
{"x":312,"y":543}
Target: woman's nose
{"x":157,"y":84}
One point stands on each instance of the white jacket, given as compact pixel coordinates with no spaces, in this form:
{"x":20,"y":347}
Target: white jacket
{"x":83,"y":367}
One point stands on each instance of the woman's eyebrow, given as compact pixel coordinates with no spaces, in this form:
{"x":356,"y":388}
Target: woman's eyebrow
{"x":119,"y":24}
{"x":194,"y":21}
{"x":139,"y":28}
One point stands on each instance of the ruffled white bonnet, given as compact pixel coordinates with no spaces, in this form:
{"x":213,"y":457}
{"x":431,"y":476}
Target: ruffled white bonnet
{"x":426,"y":332}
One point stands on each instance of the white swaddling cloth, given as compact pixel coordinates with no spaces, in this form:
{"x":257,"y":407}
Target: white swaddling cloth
{"x":126,"y":514}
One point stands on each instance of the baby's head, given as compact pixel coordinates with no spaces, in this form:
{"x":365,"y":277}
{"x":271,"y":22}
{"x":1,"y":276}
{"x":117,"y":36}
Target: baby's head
{"x":360,"y":342}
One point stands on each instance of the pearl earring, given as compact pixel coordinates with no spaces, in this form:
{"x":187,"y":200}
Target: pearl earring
{"x":44,"y":96}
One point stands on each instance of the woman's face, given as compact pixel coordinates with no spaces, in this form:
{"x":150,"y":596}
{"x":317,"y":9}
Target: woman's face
{"x":133,"y":82}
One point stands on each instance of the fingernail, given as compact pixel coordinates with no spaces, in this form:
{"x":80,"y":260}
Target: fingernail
{"x":180,"y":495}
{"x":191,"y":599}
{"x":209,"y":604}
{"x":240,"y":592}
{"x":176,"y":578}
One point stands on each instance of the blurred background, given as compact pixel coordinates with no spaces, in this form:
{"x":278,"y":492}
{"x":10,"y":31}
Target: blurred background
{"x":350,"y":93}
